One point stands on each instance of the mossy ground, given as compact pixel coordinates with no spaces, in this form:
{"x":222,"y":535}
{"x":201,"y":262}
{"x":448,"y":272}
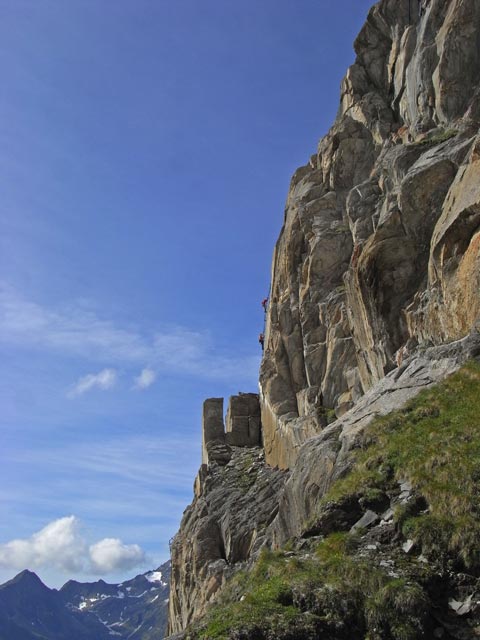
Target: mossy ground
{"x":333,"y":592}
{"x":434,"y":443}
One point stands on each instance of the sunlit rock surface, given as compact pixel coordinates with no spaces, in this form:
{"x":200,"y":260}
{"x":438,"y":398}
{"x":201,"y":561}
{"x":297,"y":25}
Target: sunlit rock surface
{"x":379,"y":252}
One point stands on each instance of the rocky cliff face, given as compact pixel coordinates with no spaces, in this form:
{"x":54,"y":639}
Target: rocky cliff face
{"x":374,"y":294}
{"x":379,"y":251}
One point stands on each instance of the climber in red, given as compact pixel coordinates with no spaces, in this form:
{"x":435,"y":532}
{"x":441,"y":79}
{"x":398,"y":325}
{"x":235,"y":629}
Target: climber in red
{"x":261,"y":339}
{"x":265,"y":304}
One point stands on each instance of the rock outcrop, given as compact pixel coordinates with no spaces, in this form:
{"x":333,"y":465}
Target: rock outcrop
{"x":375,"y":295}
{"x":326,"y":457}
{"x":242,"y":427}
{"x":236,"y":498}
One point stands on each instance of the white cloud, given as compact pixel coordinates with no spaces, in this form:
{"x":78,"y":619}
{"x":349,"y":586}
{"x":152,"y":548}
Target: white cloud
{"x":110,"y":554}
{"x":105,"y":379}
{"x":74,"y":330}
{"x":61,"y":545}
{"x":145,"y":379}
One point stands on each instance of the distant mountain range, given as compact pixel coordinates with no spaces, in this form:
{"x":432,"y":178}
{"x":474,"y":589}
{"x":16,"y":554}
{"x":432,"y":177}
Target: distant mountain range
{"x":135,"y":609}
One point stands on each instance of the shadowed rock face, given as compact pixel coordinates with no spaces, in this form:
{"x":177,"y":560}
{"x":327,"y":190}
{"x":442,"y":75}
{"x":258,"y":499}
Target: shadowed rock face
{"x":379,"y":251}
{"x":243,"y":421}
{"x":224,"y":526}
{"x":236,"y":499}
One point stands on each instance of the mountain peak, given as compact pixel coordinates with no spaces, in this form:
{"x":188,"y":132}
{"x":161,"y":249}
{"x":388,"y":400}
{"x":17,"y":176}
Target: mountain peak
{"x":24,"y":577}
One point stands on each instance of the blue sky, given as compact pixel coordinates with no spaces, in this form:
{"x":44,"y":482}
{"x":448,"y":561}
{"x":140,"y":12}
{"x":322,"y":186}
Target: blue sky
{"x":146,"y":152}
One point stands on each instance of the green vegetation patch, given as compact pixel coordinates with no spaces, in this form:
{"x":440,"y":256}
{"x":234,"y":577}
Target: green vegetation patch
{"x":434,"y":443}
{"x":436,"y":139}
{"x":328,"y":414}
{"x":330,"y":594}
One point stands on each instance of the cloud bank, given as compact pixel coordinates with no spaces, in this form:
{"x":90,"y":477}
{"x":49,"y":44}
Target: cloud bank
{"x":61,"y":545}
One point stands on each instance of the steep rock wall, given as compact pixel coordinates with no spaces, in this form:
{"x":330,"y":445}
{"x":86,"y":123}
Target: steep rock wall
{"x":379,"y":250}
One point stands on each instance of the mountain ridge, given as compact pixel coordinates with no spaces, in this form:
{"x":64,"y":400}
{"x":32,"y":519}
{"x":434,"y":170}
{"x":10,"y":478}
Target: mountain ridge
{"x":135,"y":608}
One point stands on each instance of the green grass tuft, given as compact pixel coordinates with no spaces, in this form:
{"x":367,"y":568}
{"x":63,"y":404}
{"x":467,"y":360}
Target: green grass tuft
{"x":436,"y":139}
{"x":397,"y":610}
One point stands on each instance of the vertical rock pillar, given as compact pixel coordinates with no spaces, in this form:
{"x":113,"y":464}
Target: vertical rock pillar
{"x":212,"y":425}
{"x":243,"y":421}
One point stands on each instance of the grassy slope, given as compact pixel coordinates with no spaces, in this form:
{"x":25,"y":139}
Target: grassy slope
{"x":334,"y":592}
{"x":435,"y":444}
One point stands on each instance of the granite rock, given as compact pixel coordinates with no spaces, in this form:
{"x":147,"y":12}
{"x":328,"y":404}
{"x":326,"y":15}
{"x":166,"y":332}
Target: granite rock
{"x":380,"y":248}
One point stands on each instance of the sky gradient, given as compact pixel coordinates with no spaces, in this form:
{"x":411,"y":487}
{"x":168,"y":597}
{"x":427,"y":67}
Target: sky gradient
{"x":146,"y":152}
